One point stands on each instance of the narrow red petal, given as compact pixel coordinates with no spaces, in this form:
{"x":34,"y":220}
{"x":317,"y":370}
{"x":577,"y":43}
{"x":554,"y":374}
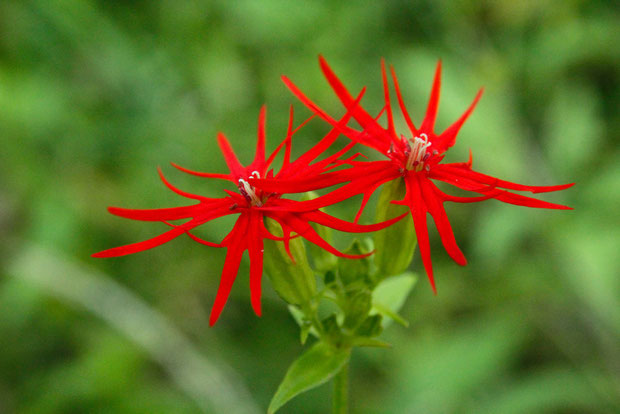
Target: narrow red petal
{"x":333,"y":161}
{"x":203,"y":174}
{"x":203,"y":241}
{"x":326,"y":220}
{"x":431,"y":111}
{"x":158,"y":214}
{"x":372,"y":140}
{"x":448,"y":197}
{"x":418,"y":210}
{"x":181,"y":192}
{"x":255,"y":251}
{"x":259,"y":157}
{"x":143,"y":245}
{"x":448,"y":137}
{"x":235,"y":245}
{"x":437,"y":211}
{"x":363,"y":204}
{"x":388,"y":104}
{"x":496,"y":193}
{"x":306,"y":231}
{"x":362,"y":180}
{"x":363,"y":117}
{"x":401,"y":103}
{"x":236,"y":169}
{"x":464,"y":171}
{"x":286,"y":141}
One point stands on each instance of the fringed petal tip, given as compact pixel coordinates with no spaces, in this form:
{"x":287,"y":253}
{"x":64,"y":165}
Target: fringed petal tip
{"x":257,"y":309}
{"x":356,"y":256}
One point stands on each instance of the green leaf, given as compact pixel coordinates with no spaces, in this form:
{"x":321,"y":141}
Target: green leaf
{"x":313,"y":368}
{"x":294,"y":282}
{"x":394,"y":245}
{"x":390,"y":295}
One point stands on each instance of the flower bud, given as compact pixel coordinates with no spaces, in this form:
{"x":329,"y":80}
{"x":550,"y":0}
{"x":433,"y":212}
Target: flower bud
{"x":358,"y":304}
{"x":394,"y":245}
{"x":294,"y":282}
{"x":354,"y":272}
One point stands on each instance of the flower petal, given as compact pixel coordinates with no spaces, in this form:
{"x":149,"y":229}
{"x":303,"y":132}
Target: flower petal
{"x":401,"y":103}
{"x":236,"y":169}
{"x":145,"y":244}
{"x":448,"y":137}
{"x":464,"y":171}
{"x":364,"y":118}
{"x":235,"y":245}
{"x":467,"y":184}
{"x":327,"y":220}
{"x":428,"y":124}
{"x":259,"y":156}
{"x":203,"y":174}
{"x":388,"y":104}
{"x":181,"y":192}
{"x":301,"y":227}
{"x":417,"y":206}
{"x":255,"y":251}
{"x":437,"y":211}
{"x":157,"y":214}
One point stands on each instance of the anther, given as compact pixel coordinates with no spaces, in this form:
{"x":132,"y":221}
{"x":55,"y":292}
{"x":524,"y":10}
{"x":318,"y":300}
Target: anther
{"x":417,"y":154}
{"x":248,"y":192}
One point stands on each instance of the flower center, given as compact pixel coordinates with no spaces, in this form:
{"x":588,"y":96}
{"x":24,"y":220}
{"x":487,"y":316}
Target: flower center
{"x":249,"y":192}
{"x":416,"y":152}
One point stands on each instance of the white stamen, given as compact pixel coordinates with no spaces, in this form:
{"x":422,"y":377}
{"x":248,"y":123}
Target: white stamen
{"x":417,"y":152}
{"x":249,"y":192}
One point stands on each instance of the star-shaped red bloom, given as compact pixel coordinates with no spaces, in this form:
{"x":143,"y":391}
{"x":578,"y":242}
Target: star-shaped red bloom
{"x":416,"y":158}
{"x":251,"y":205}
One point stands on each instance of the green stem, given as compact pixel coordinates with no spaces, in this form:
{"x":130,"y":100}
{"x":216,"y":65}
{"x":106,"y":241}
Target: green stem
{"x":341,"y":391}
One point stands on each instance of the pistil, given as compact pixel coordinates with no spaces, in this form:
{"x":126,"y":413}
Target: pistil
{"x":249,"y":192}
{"x":416,"y":154}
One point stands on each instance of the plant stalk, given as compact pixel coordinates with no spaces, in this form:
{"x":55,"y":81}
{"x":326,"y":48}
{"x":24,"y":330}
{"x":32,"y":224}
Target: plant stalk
{"x":341,"y":391}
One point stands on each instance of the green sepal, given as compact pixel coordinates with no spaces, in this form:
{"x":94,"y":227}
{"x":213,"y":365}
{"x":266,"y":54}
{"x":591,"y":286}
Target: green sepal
{"x":294,"y":282}
{"x":370,"y":342}
{"x":394,"y":245}
{"x":314,"y":367}
{"x":330,"y":278}
{"x":305,"y":325}
{"x":390,"y":296}
{"x":321,"y":258}
{"x":331,"y":328}
{"x":354,"y":271}
{"x":358,"y":304}
{"x":371,"y":326}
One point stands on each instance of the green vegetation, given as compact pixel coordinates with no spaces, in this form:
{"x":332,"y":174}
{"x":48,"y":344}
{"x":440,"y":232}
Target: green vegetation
{"x":94,"y":95}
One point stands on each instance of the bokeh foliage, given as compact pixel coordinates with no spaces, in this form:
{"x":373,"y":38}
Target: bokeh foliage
{"x":95,"y":94}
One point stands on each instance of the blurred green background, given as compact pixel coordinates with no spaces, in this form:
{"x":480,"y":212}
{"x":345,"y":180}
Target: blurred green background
{"x":95,"y":94}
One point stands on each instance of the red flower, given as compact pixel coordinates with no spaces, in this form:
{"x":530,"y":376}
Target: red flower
{"x":416,"y":159}
{"x":252,"y":205}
